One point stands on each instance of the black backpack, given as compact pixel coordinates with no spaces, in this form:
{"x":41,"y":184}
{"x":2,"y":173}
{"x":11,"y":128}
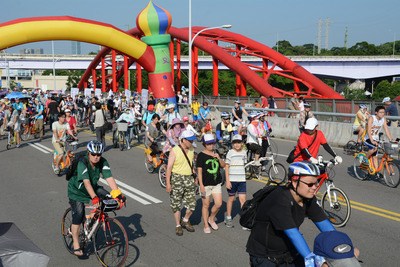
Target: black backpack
{"x":73,"y":168}
{"x":249,"y":210}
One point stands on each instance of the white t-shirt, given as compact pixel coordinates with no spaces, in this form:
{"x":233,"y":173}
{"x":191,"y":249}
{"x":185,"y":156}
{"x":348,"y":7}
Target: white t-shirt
{"x":236,"y":161}
{"x":376,"y":128}
{"x":61,"y":130}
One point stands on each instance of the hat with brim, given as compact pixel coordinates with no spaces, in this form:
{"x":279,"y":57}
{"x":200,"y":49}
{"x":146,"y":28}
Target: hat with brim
{"x":175,"y":122}
{"x":311,"y":124}
{"x":307,"y":105}
{"x":67,"y":110}
{"x":349,"y":262}
{"x":170,"y":106}
{"x":208,"y":139}
{"x":237,"y":138}
{"x":386,"y":99}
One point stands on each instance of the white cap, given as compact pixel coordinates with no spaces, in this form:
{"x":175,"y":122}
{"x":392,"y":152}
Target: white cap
{"x":67,"y":110}
{"x":386,"y":99}
{"x":170,"y":106}
{"x":189,"y":135}
{"x":237,"y":137}
{"x":311,"y":124}
{"x":208,"y":139}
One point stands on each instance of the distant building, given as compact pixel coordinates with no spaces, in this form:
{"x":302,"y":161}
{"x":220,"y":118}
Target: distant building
{"x":29,"y":51}
{"x":76,"y":48}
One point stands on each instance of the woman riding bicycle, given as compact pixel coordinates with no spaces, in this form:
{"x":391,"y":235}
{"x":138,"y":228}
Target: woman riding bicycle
{"x":83,"y":188}
{"x":360,"y":121}
{"x":173,"y":134}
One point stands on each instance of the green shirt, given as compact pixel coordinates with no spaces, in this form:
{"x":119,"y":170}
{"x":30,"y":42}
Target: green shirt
{"x":76,"y":188}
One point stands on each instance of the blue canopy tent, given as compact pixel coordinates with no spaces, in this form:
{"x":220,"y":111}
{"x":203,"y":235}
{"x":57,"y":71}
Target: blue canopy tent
{"x":14,"y":95}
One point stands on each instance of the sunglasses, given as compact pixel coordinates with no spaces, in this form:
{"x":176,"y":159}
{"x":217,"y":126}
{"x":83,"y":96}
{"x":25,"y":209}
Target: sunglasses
{"x":96,"y":154}
{"x":309,"y":184}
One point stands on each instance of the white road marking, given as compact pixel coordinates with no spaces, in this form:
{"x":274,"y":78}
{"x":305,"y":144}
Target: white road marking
{"x":44,"y":147}
{"x":129,"y":194}
{"x":38,"y":148}
{"x":136,"y":191}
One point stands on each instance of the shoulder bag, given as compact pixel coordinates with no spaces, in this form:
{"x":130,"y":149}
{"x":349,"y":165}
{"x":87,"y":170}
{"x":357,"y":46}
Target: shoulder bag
{"x":194,"y":175}
{"x":292,"y":156}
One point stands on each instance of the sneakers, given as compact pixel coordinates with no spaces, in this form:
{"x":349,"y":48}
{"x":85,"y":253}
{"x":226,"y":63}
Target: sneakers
{"x":187,"y":226}
{"x":178,"y":230}
{"x":207,"y":230}
{"x":246,"y":229}
{"x":228,"y":222}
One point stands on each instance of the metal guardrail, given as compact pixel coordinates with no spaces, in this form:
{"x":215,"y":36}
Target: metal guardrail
{"x":323,"y":116}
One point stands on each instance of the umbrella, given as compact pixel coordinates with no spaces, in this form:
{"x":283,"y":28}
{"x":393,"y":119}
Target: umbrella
{"x":17,"y":95}
{"x":18,"y":250}
{"x":3,"y":92}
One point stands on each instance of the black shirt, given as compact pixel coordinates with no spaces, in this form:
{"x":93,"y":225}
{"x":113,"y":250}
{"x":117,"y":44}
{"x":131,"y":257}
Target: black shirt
{"x":210,"y":169}
{"x":276,"y":213}
{"x":238,"y":112}
{"x":53,"y":107}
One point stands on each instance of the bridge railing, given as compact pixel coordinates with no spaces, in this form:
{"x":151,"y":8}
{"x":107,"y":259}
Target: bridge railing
{"x":326,"y":109}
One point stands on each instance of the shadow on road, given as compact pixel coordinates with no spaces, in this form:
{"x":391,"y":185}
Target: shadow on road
{"x":134,"y":230}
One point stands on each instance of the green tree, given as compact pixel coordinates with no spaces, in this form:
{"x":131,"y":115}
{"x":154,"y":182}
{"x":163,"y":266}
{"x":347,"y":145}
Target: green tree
{"x":385,"y":88}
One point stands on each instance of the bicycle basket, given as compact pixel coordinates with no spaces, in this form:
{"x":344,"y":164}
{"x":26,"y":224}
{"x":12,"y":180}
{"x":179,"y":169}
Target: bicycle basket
{"x":390,"y":148}
{"x":110,"y":205}
{"x":122,"y":126}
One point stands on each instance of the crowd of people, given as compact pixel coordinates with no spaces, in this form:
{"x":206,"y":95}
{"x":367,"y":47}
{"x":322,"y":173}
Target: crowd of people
{"x":236,"y":132}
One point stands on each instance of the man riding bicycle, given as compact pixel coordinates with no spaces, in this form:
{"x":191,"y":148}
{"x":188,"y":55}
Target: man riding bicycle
{"x":83,"y":188}
{"x":374,"y":127}
{"x":60,"y":129}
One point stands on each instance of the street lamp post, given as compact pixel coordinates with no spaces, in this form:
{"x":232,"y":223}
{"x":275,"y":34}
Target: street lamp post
{"x":54,"y":65}
{"x":191,"y":40}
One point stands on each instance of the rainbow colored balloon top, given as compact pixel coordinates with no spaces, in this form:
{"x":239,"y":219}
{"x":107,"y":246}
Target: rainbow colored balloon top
{"x":154,"y":20}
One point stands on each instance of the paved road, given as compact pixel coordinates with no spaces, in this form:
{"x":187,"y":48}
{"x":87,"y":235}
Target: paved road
{"x":35,"y":199}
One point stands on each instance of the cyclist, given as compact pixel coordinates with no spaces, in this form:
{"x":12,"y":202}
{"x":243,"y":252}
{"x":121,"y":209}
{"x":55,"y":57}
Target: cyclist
{"x":224,"y":129}
{"x":60,"y":128}
{"x":153,"y":131}
{"x":188,"y":126}
{"x":148,"y":115}
{"x":161,"y":106}
{"x":374,"y":127}
{"x":173,"y":134}
{"x":204,"y":111}
{"x":360,"y":121}
{"x":254,"y":134}
{"x":237,"y":112}
{"x":305,"y":115}
{"x":309,"y":141}
{"x":266,"y":129}
{"x":83,"y":188}
{"x":275,"y":239}
{"x":129,"y":118}
{"x":171,"y":114}
{"x":15,"y":124}
{"x":39,"y":118}
{"x":70,"y":119}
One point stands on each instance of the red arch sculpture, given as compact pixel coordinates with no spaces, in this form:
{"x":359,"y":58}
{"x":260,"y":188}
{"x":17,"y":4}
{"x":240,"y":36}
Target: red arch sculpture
{"x":248,"y":73}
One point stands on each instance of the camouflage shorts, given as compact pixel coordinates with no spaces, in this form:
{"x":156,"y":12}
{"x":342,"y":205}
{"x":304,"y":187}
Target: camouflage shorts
{"x":183,"y":191}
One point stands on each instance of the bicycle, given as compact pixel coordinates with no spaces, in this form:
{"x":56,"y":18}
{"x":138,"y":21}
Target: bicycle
{"x":352,"y":146}
{"x":334,"y":201}
{"x":162,"y":170}
{"x":364,"y":168}
{"x":158,"y":142}
{"x":106,"y":234}
{"x":68,"y":155}
{"x":276,"y":172}
{"x":28,"y":130}
{"x":119,"y":136}
{"x":11,"y":137}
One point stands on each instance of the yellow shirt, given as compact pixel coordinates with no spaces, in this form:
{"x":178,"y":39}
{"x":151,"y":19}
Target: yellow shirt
{"x":181,"y":166}
{"x":195,"y":107}
{"x":357,"y":121}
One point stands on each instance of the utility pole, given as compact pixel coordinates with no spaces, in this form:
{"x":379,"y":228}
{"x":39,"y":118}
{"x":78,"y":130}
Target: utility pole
{"x":319,"y":33}
{"x":327,"y":24}
{"x":345,"y":38}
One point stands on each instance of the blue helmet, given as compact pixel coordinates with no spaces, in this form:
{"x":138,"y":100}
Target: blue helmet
{"x":303,"y":168}
{"x":225,"y":115}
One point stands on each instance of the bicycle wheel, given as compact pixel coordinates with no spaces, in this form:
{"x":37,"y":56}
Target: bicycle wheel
{"x":391,"y":174}
{"x":336,"y":206}
{"x":66,"y":222}
{"x":115,"y":139}
{"x":277,"y":173}
{"x":162,"y":172}
{"x":360,"y":171}
{"x":272,"y":149}
{"x":111,"y":242}
{"x":349,"y":147}
{"x":25,"y":133}
{"x":149,"y":165}
{"x":121,"y":140}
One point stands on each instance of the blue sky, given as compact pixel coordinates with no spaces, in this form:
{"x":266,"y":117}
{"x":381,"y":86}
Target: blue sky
{"x":262,"y":20}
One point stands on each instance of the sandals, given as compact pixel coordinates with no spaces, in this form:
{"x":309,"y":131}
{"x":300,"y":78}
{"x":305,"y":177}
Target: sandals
{"x":77,"y":250}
